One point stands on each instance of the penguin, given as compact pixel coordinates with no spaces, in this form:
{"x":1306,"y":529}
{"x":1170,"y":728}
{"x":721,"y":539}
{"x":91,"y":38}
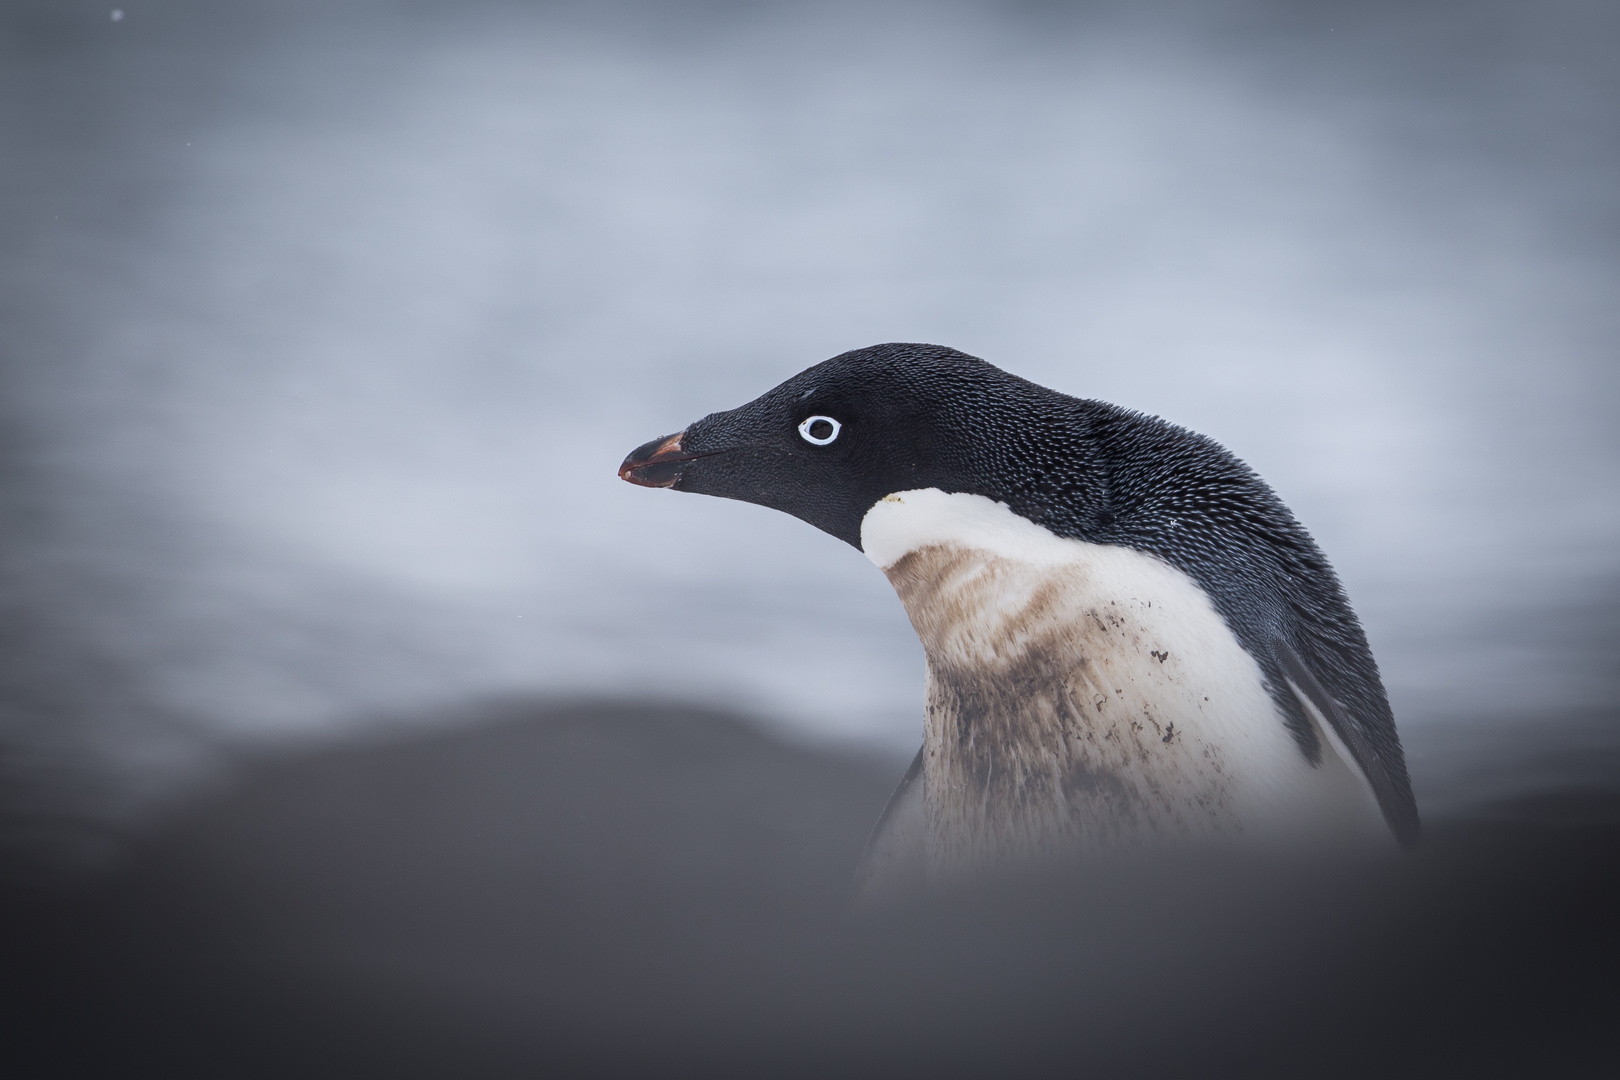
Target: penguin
{"x":1130,"y":641}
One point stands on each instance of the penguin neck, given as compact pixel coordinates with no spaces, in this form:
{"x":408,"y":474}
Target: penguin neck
{"x":1080,"y":697}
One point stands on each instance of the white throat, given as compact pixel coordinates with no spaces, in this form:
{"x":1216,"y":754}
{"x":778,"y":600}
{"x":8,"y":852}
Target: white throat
{"x":1085,"y":696}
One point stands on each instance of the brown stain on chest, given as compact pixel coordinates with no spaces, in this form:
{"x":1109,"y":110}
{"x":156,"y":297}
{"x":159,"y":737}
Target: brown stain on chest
{"x":1047,"y":726}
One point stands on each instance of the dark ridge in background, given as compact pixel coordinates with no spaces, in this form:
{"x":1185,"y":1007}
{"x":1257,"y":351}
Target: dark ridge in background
{"x":624,"y":889}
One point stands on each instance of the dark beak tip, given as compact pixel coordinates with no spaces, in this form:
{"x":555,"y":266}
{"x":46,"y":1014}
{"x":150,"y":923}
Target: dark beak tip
{"x":656,"y":463}
{"x":652,"y":476}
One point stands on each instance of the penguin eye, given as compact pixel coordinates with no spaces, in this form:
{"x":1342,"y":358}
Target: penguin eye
{"x":820,"y":430}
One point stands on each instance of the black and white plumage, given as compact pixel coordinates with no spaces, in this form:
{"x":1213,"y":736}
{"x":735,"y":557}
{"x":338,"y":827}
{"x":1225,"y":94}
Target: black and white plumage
{"x":1129,"y":638}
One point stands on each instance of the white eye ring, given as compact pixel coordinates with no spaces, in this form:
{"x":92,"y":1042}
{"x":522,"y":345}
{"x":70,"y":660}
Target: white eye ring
{"x":804,"y":430}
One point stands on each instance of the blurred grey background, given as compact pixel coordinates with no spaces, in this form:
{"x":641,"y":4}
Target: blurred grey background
{"x":324,"y":327}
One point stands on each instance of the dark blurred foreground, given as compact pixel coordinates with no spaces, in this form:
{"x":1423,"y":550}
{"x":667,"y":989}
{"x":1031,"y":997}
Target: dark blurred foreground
{"x":632,"y":890}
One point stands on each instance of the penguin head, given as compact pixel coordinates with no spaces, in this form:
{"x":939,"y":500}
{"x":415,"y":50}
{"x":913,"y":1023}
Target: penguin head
{"x":833,"y":440}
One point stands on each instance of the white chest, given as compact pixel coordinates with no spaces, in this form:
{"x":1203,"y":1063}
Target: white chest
{"x":1084,"y":697}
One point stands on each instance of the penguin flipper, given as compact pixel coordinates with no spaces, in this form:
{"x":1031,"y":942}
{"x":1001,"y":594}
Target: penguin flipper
{"x":1314,"y":696}
{"x":893,"y":864}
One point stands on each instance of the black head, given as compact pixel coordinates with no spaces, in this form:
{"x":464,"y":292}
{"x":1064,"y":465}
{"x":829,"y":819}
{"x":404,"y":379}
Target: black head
{"x":833,"y":440}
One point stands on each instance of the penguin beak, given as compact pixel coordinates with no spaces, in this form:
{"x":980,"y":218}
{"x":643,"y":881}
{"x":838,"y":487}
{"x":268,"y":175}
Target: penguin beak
{"x":657,"y":464}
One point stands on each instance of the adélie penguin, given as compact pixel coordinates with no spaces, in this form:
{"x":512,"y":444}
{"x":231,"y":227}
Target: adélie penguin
{"x":1130,"y":641}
